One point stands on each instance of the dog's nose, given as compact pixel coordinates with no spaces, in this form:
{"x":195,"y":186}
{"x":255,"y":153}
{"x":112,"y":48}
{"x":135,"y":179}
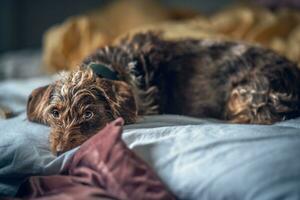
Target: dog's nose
{"x":58,"y":153}
{"x":59,"y":149}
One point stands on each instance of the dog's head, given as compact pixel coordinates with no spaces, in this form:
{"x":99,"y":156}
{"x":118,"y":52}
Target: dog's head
{"x":78,"y":105}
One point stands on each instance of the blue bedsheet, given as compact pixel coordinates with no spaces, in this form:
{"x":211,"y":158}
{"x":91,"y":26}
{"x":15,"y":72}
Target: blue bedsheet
{"x":197,"y":159}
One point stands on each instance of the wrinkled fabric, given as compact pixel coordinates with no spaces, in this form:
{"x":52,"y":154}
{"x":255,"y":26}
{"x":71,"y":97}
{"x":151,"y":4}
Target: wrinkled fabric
{"x":103,"y":168}
{"x":196,"y":158}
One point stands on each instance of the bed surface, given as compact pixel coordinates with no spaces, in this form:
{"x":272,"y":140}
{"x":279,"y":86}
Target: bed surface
{"x":196,"y":158}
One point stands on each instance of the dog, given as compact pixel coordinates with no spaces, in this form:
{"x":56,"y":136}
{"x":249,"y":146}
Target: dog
{"x":144,"y":74}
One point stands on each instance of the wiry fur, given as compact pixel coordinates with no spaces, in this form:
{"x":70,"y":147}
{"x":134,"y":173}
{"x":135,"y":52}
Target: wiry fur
{"x":202,"y":78}
{"x":74,"y":94}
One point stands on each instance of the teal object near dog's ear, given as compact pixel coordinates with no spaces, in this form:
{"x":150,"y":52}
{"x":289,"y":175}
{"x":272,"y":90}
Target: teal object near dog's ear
{"x":103,"y":71}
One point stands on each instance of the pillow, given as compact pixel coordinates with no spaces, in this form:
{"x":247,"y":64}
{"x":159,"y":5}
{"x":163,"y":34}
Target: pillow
{"x":216,"y":160}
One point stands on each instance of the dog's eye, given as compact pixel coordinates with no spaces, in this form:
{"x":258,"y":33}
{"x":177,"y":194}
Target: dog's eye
{"x":55,"y":113}
{"x":88,"y":115}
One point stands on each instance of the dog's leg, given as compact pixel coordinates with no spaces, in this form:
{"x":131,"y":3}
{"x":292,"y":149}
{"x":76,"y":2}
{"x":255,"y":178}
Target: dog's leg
{"x":259,"y":103}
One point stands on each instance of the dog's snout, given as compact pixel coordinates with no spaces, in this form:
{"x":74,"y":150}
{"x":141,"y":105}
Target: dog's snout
{"x":59,"y":149}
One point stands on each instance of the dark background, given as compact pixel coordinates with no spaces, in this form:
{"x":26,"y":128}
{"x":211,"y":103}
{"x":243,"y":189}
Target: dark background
{"x":23,"y":22}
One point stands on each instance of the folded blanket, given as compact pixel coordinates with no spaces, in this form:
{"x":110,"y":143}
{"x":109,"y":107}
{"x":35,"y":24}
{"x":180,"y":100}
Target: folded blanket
{"x":102,"y":168}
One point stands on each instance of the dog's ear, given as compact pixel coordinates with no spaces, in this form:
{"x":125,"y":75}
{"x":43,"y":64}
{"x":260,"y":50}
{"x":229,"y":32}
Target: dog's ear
{"x":37,"y":102}
{"x":120,"y":99}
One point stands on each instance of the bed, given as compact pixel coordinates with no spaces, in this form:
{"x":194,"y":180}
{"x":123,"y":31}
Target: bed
{"x":195,"y":158}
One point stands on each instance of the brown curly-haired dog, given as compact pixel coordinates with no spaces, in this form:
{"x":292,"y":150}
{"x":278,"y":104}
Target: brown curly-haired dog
{"x":147,"y":75}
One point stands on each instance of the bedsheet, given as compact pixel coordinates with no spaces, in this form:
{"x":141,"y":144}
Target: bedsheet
{"x":195,"y":158}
